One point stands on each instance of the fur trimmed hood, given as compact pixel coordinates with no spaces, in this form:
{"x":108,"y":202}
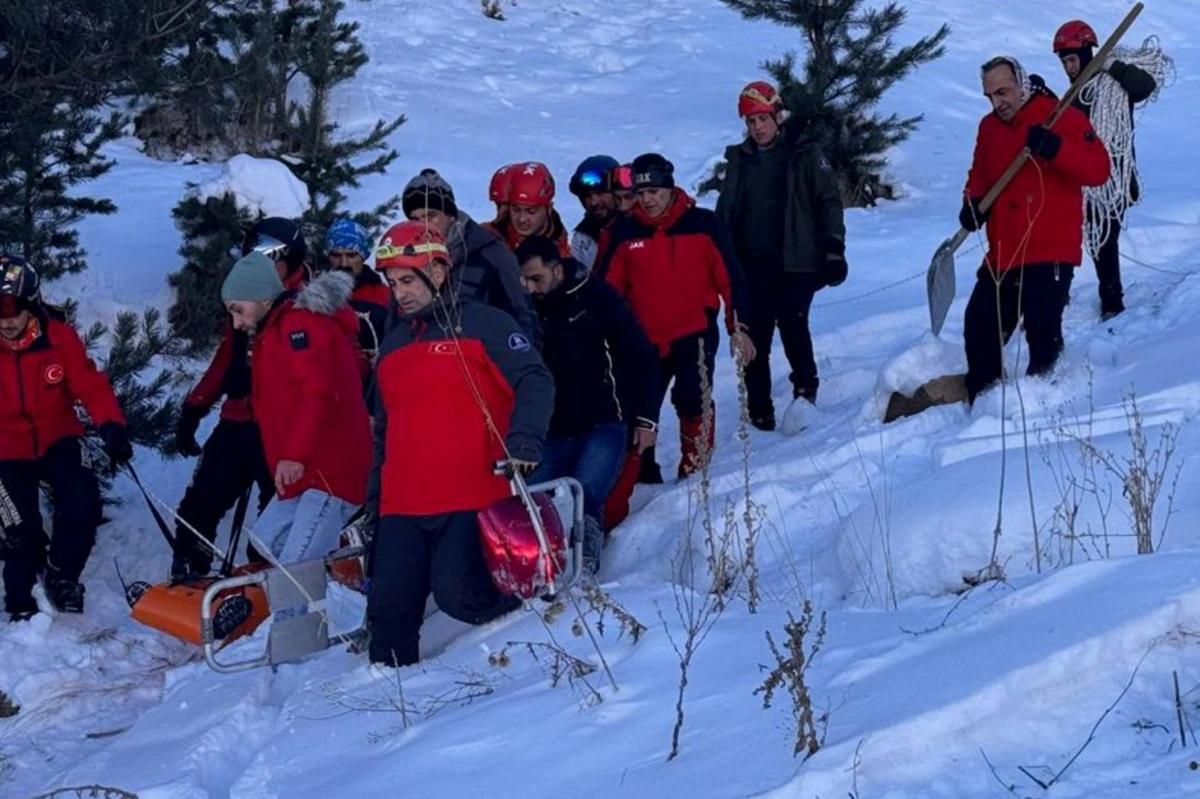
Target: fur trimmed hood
{"x":326,"y":294}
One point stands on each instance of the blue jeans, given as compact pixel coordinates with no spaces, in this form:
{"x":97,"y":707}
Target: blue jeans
{"x":594,"y":459}
{"x":304,"y":527}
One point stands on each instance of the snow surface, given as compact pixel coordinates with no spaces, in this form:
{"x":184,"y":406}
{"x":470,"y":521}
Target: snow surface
{"x":260,"y":185}
{"x":878,"y":525}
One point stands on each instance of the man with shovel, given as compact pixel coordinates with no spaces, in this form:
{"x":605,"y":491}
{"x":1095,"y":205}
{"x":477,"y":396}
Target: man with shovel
{"x":1035,"y":226}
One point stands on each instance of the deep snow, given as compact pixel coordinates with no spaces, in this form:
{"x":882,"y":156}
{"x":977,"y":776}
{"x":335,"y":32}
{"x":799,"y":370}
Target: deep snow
{"x":876,"y":524}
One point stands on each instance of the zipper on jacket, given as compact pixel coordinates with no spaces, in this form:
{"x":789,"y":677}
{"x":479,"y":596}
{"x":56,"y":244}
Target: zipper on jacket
{"x":21,"y":399}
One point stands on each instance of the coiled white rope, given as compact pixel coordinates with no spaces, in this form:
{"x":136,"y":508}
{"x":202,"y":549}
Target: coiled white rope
{"x":1108,"y":107}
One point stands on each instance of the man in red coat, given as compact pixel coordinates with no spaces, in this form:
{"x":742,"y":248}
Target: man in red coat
{"x":232,"y":459}
{"x":461,"y":386}
{"x":307,"y":394}
{"x":674,"y":264}
{"x":530,"y":209}
{"x":1035,"y":227}
{"x":44,"y":372}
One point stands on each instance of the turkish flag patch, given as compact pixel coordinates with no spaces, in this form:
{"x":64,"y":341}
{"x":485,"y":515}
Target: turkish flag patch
{"x":299,"y":339}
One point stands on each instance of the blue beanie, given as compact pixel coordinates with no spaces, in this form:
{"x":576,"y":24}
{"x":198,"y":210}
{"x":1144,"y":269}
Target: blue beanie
{"x":346,"y":234}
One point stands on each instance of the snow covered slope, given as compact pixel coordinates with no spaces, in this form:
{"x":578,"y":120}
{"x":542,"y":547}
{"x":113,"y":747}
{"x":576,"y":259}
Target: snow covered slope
{"x":878,"y":525}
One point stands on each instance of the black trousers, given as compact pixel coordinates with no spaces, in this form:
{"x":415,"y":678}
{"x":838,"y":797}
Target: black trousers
{"x":1108,"y":271}
{"x":1037,"y":292}
{"x":680,"y":372}
{"x":232,"y":461}
{"x":783,"y":300}
{"x":414,"y":555}
{"x":67,"y":469}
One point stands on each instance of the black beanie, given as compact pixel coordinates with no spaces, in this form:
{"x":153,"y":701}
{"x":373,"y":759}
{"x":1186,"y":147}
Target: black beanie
{"x":652,"y":171}
{"x":428,"y":190}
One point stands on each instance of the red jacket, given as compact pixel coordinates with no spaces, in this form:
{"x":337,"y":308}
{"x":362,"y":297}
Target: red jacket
{"x":503,"y":227}
{"x":213,"y":383}
{"x":434,"y":450}
{"x":41,"y":380}
{"x":228,"y":374}
{"x":308,"y":390}
{"x":674,"y":268}
{"x":1038,"y":218}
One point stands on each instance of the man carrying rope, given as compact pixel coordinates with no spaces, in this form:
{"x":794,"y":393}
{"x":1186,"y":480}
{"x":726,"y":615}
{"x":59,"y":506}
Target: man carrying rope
{"x":1035,"y":227}
{"x":460,"y":387}
{"x":1108,"y":100}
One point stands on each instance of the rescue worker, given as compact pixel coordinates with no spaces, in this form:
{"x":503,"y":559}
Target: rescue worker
{"x":531,"y":209}
{"x":674,"y":264}
{"x":781,"y":202}
{"x":348,"y":246}
{"x":605,"y":377}
{"x":232,"y":459}
{"x":44,"y":371}
{"x":1035,"y":227}
{"x":307,"y":395}
{"x":484,"y":269}
{"x":1074,"y":44}
{"x":460,"y":387}
{"x":592,"y":184}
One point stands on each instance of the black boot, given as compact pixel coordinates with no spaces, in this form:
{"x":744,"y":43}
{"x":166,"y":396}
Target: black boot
{"x":649,"y":473}
{"x":22,"y":615}
{"x":65,"y":595}
{"x":186,"y":568}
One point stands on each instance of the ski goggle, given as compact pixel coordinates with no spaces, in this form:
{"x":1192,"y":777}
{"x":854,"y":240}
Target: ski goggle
{"x":409,"y":255}
{"x":11,"y":305}
{"x":758,"y":97}
{"x":591,"y":180}
{"x":622,"y":178}
{"x":273,"y":248}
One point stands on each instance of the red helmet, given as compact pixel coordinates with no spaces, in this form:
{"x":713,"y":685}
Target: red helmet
{"x":501,"y":185}
{"x":410,"y":245}
{"x":531,"y":184}
{"x":1075,"y":35}
{"x":759,"y":97}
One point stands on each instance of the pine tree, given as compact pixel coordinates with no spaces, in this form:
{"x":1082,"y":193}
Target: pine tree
{"x":212,"y":230}
{"x":850,"y":61}
{"x":139,"y":344}
{"x":47,"y":149}
{"x":332,"y":54}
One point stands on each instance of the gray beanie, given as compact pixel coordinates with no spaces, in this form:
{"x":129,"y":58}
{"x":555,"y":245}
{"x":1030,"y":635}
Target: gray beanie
{"x":252,"y":279}
{"x":428,"y":190}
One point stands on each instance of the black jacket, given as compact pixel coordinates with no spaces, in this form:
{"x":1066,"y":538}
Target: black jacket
{"x":605,"y":369}
{"x":814,"y":225}
{"x":487,"y":271}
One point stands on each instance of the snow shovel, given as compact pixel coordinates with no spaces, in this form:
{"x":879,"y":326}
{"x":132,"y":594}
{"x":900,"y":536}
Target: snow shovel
{"x":939,"y":280}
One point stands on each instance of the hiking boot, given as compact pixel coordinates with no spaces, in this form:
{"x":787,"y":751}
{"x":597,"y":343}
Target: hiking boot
{"x":763,"y":421}
{"x":593,"y":545}
{"x":21,"y":615}
{"x":1111,"y":308}
{"x":65,"y":595}
{"x":185,"y":569}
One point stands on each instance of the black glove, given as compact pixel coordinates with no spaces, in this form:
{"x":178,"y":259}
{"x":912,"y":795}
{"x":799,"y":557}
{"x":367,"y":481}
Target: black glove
{"x":523,"y":449}
{"x":185,"y":430}
{"x":1117,"y":70}
{"x":970,"y":217}
{"x":1037,"y":85}
{"x":116,"y":444}
{"x":834,"y":269}
{"x":1043,"y":142}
